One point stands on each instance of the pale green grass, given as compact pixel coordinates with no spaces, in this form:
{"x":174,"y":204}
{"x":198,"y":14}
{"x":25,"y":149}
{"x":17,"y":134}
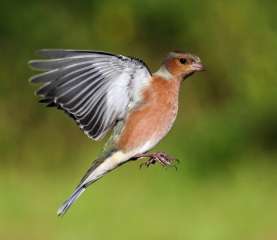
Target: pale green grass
{"x":142,"y":204}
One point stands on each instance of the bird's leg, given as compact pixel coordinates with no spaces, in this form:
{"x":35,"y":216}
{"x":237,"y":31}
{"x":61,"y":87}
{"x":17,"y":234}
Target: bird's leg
{"x":160,"y":157}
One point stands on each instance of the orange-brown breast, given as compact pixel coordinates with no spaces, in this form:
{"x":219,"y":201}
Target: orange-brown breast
{"x":152,"y":120}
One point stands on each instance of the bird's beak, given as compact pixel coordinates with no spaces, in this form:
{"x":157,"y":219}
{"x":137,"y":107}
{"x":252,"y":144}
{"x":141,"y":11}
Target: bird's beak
{"x":197,"y":67}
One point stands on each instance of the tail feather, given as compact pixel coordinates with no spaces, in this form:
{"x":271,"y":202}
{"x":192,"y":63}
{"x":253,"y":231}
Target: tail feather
{"x":67,"y":204}
{"x":99,"y":168}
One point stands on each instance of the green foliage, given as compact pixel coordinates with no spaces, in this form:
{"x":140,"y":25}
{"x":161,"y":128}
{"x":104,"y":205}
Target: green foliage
{"x":225,"y":134}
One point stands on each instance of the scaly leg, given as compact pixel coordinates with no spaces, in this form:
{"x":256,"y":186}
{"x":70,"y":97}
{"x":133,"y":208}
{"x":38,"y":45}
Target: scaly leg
{"x":160,"y":157}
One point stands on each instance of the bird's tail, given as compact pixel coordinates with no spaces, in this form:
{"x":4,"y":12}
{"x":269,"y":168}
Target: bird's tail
{"x":99,"y":168}
{"x":73,"y":197}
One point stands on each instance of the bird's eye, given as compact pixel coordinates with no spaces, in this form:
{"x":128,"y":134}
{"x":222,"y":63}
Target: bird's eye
{"x":183,"y":60}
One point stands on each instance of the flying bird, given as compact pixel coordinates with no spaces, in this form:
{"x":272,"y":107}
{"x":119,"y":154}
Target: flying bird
{"x":102,"y":91}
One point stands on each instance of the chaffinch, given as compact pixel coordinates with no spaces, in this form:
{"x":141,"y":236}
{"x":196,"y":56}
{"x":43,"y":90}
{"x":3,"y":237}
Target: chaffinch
{"x":103,"y":91}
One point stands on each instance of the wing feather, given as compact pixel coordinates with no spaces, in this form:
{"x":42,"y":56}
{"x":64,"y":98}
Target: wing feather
{"x":92,"y":87}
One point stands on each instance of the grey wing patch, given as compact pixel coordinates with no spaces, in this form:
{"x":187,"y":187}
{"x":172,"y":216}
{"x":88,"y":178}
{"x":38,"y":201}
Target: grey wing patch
{"x":91,"y":87}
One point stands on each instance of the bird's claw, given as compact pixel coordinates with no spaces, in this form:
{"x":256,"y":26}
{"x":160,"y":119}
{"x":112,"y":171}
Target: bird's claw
{"x":160,"y":157}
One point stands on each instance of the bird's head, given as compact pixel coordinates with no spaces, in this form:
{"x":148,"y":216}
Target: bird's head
{"x":182,"y":65}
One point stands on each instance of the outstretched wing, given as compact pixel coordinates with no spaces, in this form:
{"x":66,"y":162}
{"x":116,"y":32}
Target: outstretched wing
{"x":95,"y":88}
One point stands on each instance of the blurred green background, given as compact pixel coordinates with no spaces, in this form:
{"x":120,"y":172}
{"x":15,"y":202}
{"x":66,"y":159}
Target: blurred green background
{"x":225,"y":135}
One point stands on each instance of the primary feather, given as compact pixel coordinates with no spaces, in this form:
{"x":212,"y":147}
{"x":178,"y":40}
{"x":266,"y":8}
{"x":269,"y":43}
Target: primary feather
{"x":95,"y":88}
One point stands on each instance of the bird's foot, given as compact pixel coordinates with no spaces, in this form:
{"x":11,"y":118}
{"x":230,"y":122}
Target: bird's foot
{"x":160,"y":157}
